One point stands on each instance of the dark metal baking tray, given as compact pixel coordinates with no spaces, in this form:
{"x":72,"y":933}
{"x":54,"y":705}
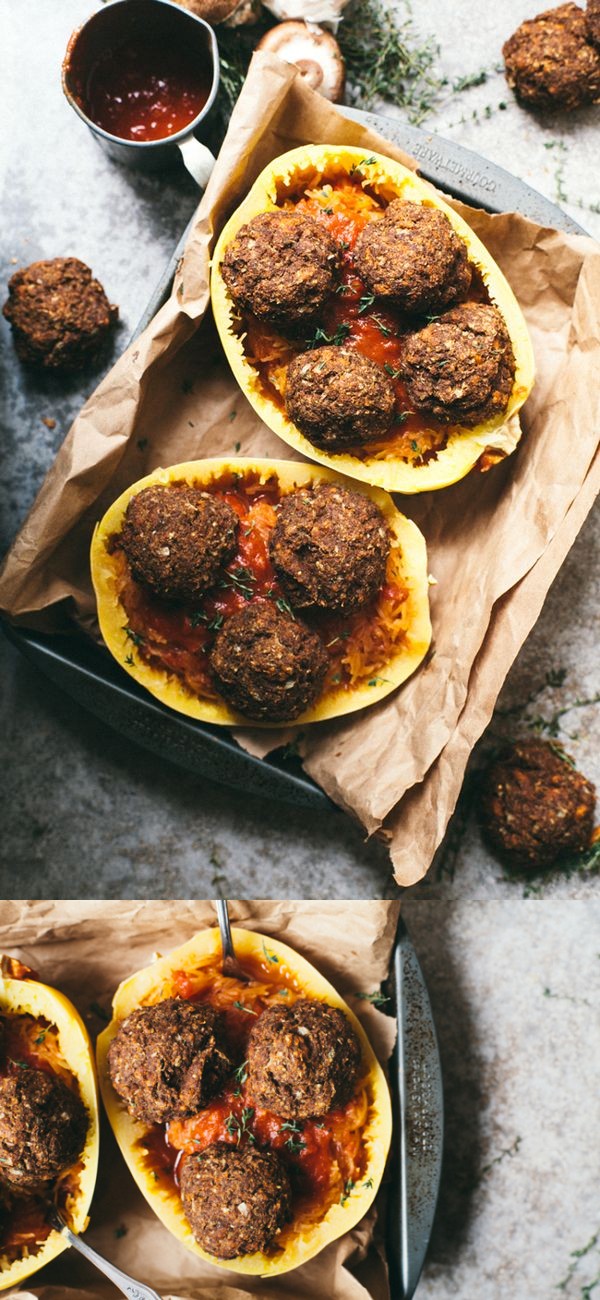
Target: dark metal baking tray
{"x":89,"y":674}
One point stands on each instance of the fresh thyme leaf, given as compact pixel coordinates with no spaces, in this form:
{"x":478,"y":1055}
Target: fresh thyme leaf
{"x":239,"y":1128}
{"x":366,"y":301}
{"x":320,"y":336}
{"x":270,"y":956}
{"x":381,"y":326}
{"x":391,"y":370}
{"x":377,"y":999}
{"x":133,"y":636}
{"x":241,"y":1074}
{"x":41,"y":1036}
{"x":241,"y":579}
{"x":368,"y":1184}
{"x":240,"y":1006}
{"x":387,"y":59}
{"x":128,"y":660}
{"x":295,"y":1147}
{"x":349,"y":1186}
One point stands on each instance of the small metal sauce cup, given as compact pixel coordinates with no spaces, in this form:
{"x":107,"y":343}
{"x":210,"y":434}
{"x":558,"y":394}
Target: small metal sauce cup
{"x":102,"y":31}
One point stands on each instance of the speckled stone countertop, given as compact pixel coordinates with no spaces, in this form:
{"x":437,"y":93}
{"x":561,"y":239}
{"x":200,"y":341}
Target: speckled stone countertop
{"x":515,"y":991}
{"x":86,"y":811}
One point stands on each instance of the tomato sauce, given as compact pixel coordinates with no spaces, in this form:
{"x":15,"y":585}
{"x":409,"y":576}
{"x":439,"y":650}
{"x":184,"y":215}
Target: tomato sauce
{"x":21,"y":1036}
{"x":147,"y":88}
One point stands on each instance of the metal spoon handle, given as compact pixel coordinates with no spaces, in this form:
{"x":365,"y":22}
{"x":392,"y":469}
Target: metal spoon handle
{"x":225,"y":928}
{"x":128,"y":1285}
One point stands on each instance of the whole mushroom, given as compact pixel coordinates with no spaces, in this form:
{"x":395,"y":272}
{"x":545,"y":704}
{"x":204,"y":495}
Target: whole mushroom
{"x":232,"y":13}
{"x":314,"y":51}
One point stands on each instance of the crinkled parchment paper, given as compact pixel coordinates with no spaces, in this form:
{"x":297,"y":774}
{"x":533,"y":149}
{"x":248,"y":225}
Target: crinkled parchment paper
{"x":85,"y":949}
{"x":495,"y":540}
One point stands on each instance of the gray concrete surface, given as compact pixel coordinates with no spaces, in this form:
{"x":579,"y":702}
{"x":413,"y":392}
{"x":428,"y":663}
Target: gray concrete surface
{"x":85,"y":811}
{"x":515,"y":993}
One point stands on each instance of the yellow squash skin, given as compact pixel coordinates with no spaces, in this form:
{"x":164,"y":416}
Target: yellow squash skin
{"x":169,"y":689}
{"x":310,"y":165}
{"x":28,"y":997}
{"x":145,"y":987}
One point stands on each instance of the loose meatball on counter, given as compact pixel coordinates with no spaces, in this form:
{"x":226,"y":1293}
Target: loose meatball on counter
{"x":167,"y":1060}
{"x":552,"y":61}
{"x":60,"y":315}
{"x":303,"y":1060}
{"x":535,"y":806}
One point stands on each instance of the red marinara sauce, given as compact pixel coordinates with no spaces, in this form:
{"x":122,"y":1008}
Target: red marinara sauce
{"x":146,"y":89}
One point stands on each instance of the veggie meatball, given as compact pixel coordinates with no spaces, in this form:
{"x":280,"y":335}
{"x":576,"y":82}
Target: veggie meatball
{"x":168,"y":1060}
{"x":236,"y":1199}
{"x":338,"y":398}
{"x":60,"y":315}
{"x":330,"y":547}
{"x":535,"y":806}
{"x":592,"y":17}
{"x":413,"y":257}
{"x":281,"y":267}
{"x":551,"y":61}
{"x":460,"y":368}
{"x":267,"y":665}
{"x":43,"y":1126}
{"x":176,"y":540}
{"x":303,"y":1060}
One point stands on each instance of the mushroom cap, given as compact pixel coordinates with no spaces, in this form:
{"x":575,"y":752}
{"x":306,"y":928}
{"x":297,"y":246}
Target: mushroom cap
{"x":232,"y":13}
{"x":314,"y":51}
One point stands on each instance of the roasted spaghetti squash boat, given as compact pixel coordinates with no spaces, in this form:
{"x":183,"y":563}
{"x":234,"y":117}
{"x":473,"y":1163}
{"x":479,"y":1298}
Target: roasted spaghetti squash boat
{"x":367,"y":324}
{"x":48,"y":1121}
{"x":264,"y":591}
{"x":272,"y":1116}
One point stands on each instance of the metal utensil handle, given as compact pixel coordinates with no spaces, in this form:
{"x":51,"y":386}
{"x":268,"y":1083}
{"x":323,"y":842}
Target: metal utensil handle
{"x":128,"y":1285}
{"x":225,"y":928}
{"x":197,"y":158}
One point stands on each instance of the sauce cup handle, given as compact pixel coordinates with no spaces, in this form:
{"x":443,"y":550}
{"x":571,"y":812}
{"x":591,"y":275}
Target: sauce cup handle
{"x":197,"y":158}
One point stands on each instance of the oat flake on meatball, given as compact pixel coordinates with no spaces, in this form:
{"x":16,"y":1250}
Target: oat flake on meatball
{"x":281,"y":267}
{"x":177,"y":538}
{"x":330,"y":547}
{"x":413,"y":257}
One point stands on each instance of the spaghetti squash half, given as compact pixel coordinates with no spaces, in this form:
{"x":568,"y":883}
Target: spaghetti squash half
{"x":335,"y":1164}
{"x":166,"y":645}
{"x":344,"y":191}
{"x":42,"y":1030}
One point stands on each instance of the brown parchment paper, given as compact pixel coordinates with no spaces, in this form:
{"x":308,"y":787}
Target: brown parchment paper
{"x":397,"y":768}
{"x":85,"y":949}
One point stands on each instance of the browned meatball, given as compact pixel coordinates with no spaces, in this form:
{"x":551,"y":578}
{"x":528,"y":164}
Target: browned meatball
{"x":236,"y":1199}
{"x":43,"y":1126}
{"x":413,"y":257}
{"x":60,"y":315}
{"x":168,"y":1060}
{"x":535,"y":806}
{"x":303,"y":1060}
{"x":330,"y":547}
{"x":281,"y":267}
{"x":460,"y":368}
{"x":551,"y":61}
{"x":338,"y":398}
{"x":267,"y":664}
{"x":177,"y":538}
{"x":592,"y":17}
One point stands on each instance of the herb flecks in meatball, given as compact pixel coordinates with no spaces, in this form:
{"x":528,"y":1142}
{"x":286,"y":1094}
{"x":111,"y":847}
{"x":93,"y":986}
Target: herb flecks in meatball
{"x":60,"y":315}
{"x":268,"y":665}
{"x":338,"y":398}
{"x":303,"y":1060}
{"x":236,"y":1199}
{"x":168,"y":1060}
{"x":535,"y":807}
{"x":552,"y":61}
{"x":281,"y":267}
{"x":461,"y":367}
{"x":177,"y":538}
{"x":413,"y":257}
{"x":43,"y":1125}
{"x":330,"y":547}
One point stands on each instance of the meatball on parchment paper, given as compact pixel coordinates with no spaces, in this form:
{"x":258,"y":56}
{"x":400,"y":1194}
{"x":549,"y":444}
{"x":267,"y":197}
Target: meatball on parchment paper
{"x":492,"y":551}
